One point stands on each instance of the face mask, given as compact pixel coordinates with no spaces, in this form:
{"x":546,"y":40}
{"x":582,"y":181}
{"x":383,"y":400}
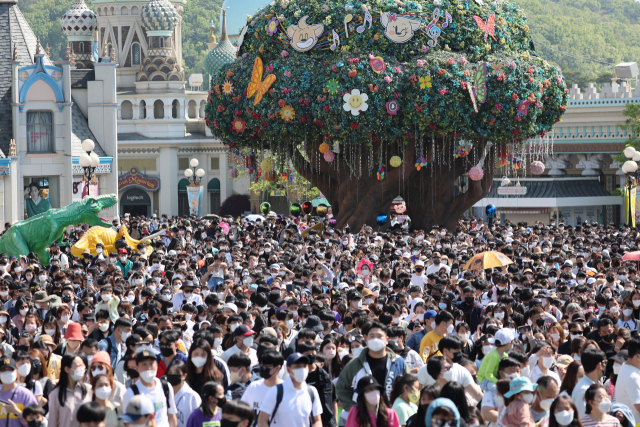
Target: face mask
{"x":357,"y":351}
{"x":103,"y":393}
{"x":30,"y":328}
{"x":499,"y":400}
{"x":4,"y":294}
{"x":528,"y":398}
{"x":450,"y":329}
{"x":248,"y":341}
{"x":199,"y":362}
{"x":448,"y":375}
{"x":97,"y":372}
{"x":547,"y":362}
{"x":372,"y":397}
{"x":627,"y":312}
{"x":24,"y":311}
{"x":376,"y":344}
{"x":148,"y":376}
{"x":125,"y":335}
{"x":605,"y":406}
{"x":442,"y":306}
{"x":104,"y":327}
{"x":433,"y":325}
{"x":555,"y":337}
{"x":106,"y":297}
{"x":9,"y":377}
{"x":233,"y":326}
{"x":50,"y":332}
{"x":414,"y":396}
{"x":564,"y":418}
{"x":78,"y":374}
{"x":18,"y":270}
{"x":24,"y":369}
{"x":486,"y":349}
{"x":580,"y":282}
{"x":498,"y":315}
{"x":616,"y":368}
{"x":546,"y":404}
{"x":300,"y":374}
{"x":464,"y":337}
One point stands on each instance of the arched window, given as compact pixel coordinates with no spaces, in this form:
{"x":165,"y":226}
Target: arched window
{"x":174,"y":108}
{"x":183,"y":199}
{"x":213,"y":188}
{"x":126,"y":110}
{"x":143,"y":110}
{"x":158,"y":109}
{"x":135,"y":54}
{"x":81,"y":47}
{"x":192,"y":109}
{"x":160,"y":41}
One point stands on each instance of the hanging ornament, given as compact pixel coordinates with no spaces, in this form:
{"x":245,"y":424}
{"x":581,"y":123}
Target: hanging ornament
{"x":270,"y":176}
{"x":295,"y":209}
{"x":268,"y":165}
{"x":382,"y":219}
{"x":537,"y":167}
{"x":462,"y":149}
{"x":322,"y":210}
{"x":307,"y":207}
{"x":395,"y":161}
{"x":329,"y":157}
{"x":380,"y":173}
{"x":248,"y":161}
{"x":506,"y":182}
{"x":398,"y":205}
{"x":476,"y":173}
{"x":265,"y":208}
{"x":233,"y":173}
{"x":490,"y":210}
{"x":324,"y":148}
{"x":332,"y":222}
{"x":420,"y":163}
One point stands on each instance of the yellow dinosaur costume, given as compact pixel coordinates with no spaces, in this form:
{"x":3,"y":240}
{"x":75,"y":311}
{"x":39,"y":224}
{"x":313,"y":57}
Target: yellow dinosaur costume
{"x":108,"y":237}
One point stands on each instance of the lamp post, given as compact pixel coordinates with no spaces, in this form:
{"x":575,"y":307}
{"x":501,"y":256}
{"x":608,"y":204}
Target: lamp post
{"x":194,"y":175}
{"x":89,"y":162}
{"x":630,"y":169}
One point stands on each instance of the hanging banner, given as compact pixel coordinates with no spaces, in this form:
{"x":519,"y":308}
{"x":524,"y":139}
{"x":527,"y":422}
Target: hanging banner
{"x":194,"y":193}
{"x":625,"y":192}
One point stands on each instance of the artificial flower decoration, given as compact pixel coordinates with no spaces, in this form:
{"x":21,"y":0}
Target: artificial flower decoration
{"x":268,"y":165}
{"x":355,"y":102}
{"x":380,"y":174}
{"x":239,"y":125}
{"x":395,"y":161}
{"x":272,"y":26}
{"x":425,"y":82}
{"x":233,"y":173}
{"x":377,"y":64}
{"x":420,"y":163}
{"x":329,"y":157}
{"x":227,"y":88}
{"x":537,"y":167}
{"x":392,"y":107}
{"x":287,"y":113}
{"x":324,"y":148}
{"x":333,"y":86}
{"x":476,"y":173}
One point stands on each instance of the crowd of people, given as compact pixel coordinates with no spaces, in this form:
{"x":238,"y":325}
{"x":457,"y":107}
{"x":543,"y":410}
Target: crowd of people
{"x":234,"y":323}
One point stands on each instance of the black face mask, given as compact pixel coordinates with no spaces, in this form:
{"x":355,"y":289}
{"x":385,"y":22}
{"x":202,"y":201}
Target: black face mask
{"x":166,"y":351}
{"x":457,"y":357}
{"x":608,"y":338}
{"x":174,"y":379}
{"x":133,"y":373}
{"x":264,"y":372}
{"x":221,"y":402}
{"x":36,"y":366}
{"x":610,"y":279}
{"x":540,"y":322}
{"x":34,"y":423}
{"x":228,"y":423}
{"x":469,"y":300}
{"x":23,"y":348}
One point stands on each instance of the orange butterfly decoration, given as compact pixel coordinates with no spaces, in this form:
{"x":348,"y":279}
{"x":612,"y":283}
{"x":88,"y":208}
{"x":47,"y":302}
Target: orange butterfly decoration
{"x":489,"y":27}
{"x":256,"y":85}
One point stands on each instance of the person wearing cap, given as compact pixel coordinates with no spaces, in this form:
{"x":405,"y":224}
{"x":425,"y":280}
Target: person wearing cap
{"x":140,"y":411}
{"x":158,"y":390}
{"x":124,"y":264}
{"x":441,"y":325}
{"x":371,"y":400}
{"x":17,"y":395}
{"x":243,"y":337}
{"x":300,"y":404}
{"x":419,"y":278}
{"x":517,"y":401}
{"x":420,"y":329}
{"x":186,"y":296}
{"x":488,"y":372}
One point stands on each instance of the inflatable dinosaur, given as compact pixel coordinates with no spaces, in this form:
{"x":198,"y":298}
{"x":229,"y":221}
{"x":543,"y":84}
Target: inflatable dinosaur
{"x":108,"y":237}
{"x":36,"y":234}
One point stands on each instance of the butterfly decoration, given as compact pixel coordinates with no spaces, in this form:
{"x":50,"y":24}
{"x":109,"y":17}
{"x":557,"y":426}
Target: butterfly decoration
{"x":523,"y":107}
{"x":497,"y":68}
{"x":488,"y":27}
{"x":256,"y":85}
{"x":478,"y":90}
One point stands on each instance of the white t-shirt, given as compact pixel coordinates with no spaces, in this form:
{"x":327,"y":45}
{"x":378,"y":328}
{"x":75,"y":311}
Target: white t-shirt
{"x":419,"y":280}
{"x":254,"y":395}
{"x":458,"y":373}
{"x":253,"y":355}
{"x":628,"y":388}
{"x":629,"y":324}
{"x":187,"y":401}
{"x":179,"y":298}
{"x":157,"y":397}
{"x":295,"y":408}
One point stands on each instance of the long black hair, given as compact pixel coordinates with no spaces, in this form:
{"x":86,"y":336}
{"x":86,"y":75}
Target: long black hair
{"x":63,"y":383}
{"x":454,"y":391}
{"x":28,"y":380}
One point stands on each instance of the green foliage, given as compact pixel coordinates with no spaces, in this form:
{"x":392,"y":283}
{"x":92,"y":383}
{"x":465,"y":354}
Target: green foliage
{"x":429,"y":84}
{"x":604,"y":30}
{"x":632,"y":128}
{"x":44,"y":18}
{"x":297,"y":190}
{"x":195,"y":33}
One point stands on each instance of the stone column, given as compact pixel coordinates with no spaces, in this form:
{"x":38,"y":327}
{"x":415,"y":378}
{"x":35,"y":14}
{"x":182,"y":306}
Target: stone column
{"x":168,"y":181}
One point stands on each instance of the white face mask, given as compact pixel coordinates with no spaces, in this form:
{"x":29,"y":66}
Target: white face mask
{"x":104,"y":327}
{"x":103,"y":393}
{"x":78,"y":374}
{"x":248,"y":341}
{"x":24,"y":370}
{"x":330,"y":354}
{"x":525,"y":371}
{"x":148,"y":376}
{"x":564,"y":418}
{"x":50,"y":332}
{"x":289,"y":323}
{"x":486,"y":349}
{"x":199,"y":362}
{"x":376,"y":344}
{"x":528,"y":398}
{"x":9,"y":377}
{"x":372,"y":397}
{"x":464,"y":337}
{"x":546,"y":404}
{"x":627,"y":312}
{"x":106,"y":297}
{"x":300,"y":374}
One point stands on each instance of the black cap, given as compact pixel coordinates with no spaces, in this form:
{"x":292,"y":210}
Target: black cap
{"x":313,"y":324}
{"x":243,"y":330}
{"x":145,"y":354}
{"x":6,"y":361}
{"x":367,"y":383}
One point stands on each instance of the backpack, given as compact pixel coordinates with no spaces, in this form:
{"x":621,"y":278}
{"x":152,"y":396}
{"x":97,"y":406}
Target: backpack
{"x":165,"y":390}
{"x":280,"y":395}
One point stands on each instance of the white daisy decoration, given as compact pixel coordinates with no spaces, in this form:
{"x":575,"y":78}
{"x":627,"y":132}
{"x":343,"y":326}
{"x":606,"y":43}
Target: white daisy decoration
{"x":355,"y":102}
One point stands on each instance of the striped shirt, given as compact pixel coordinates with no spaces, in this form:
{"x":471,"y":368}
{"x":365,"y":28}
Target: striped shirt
{"x":609,"y":421}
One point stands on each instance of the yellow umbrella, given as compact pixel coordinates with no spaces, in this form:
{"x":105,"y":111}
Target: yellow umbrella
{"x":489,"y":259}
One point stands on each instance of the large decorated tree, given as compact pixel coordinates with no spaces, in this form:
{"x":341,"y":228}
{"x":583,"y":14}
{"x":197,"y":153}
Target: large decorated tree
{"x":371,"y":100}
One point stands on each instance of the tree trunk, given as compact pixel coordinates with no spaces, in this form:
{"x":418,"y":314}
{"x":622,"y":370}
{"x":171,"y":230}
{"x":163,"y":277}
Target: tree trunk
{"x":429,"y":194}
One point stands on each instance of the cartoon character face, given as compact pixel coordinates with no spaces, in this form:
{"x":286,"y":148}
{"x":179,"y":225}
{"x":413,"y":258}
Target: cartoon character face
{"x":399,"y":29}
{"x":303,"y":36}
{"x":401,"y":208}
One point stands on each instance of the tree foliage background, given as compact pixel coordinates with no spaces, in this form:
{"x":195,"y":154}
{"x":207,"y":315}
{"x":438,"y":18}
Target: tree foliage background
{"x":603,"y":30}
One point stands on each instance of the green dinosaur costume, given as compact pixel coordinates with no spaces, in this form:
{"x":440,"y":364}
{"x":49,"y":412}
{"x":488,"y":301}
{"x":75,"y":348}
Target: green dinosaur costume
{"x":38,"y":233}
